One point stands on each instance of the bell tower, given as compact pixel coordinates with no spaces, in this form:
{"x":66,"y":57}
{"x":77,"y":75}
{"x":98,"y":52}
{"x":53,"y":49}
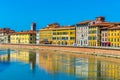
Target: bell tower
{"x":33,"y":26}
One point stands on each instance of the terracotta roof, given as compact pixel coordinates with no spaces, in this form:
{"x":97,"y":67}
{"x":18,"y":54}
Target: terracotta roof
{"x":115,"y":27}
{"x":106,"y":23}
{"x":60,"y":27}
{"x":84,"y":22}
{"x":66,"y":26}
{"x":6,"y":30}
{"x":11,"y":31}
{"x":26,"y":32}
{"x":2,"y":31}
{"x":106,"y":27}
{"x":102,"y":24}
{"x":112,"y":26}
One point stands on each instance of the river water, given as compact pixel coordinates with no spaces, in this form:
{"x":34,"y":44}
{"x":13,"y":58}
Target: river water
{"x":55,"y":65}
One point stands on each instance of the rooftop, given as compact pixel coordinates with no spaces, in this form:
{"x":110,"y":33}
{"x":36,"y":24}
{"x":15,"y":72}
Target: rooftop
{"x":84,"y":22}
{"x":26,"y":32}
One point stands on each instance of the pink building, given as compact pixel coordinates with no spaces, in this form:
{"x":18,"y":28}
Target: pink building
{"x":104,"y":38}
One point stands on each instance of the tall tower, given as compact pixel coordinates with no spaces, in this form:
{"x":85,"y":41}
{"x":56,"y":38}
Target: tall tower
{"x":33,"y":26}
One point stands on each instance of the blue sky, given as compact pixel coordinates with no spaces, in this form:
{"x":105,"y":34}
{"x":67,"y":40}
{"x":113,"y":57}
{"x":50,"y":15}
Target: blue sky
{"x":19,"y":14}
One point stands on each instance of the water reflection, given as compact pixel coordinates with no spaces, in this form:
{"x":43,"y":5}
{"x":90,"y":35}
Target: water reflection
{"x":80,"y":67}
{"x":23,"y":56}
{"x":64,"y":66}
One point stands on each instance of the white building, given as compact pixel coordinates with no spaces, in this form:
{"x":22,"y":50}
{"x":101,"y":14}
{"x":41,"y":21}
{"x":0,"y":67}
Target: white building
{"x":82,"y":33}
{"x":37,"y":37}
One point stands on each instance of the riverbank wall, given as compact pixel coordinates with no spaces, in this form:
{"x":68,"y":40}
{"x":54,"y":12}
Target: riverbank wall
{"x":98,"y":51}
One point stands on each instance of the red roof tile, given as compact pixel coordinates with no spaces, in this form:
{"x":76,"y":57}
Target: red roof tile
{"x":26,"y":32}
{"x":84,"y":22}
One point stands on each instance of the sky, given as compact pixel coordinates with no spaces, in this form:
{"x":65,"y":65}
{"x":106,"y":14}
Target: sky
{"x":19,"y":14}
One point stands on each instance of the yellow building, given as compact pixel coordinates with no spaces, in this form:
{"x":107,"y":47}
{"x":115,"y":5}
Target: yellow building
{"x":94,"y":35}
{"x":56,"y":63}
{"x":27,"y":37}
{"x":45,"y":36}
{"x":114,"y":36}
{"x":46,"y":33}
{"x":110,"y":69}
{"x":22,"y":56}
{"x":64,"y":35}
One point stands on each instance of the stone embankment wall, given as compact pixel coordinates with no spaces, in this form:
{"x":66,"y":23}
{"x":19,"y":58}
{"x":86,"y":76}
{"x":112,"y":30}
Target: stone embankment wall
{"x":86,"y":50}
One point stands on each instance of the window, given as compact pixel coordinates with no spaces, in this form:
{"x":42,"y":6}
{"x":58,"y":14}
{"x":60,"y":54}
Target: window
{"x":102,"y":39}
{"x":89,"y":38}
{"x":71,"y":32}
{"x":105,"y":34}
{"x":102,"y":34}
{"x":105,"y":39}
{"x":112,"y":34}
{"x":58,"y":38}
{"x":114,"y":39}
{"x":94,"y":31}
{"x":64,"y":38}
{"x":94,"y":38}
{"x":54,"y":38}
{"x":72,"y":38}
{"x":118,"y":34}
{"x":64,"y":33}
{"x":58,"y":33}
{"x":30,"y":38}
{"x":118,"y":40}
{"x":54,"y":33}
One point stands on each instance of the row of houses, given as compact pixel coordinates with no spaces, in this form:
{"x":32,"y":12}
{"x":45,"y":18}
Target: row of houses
{"x":96,"y":32}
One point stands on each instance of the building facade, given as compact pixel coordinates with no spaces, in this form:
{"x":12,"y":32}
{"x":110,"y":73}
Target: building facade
{"x":4,"y":32}
{"x":94,"y":34}
{"x":114,"y":36}
{"x":28,"y":37}
{"x":47,"y":33}
{"x":64,"y":35}
{"x":46,"y":36}
{"x":7,"y":39}
{"x":82,"y":33}
{"x":104,"y":36}
{"x":37,"y":37}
